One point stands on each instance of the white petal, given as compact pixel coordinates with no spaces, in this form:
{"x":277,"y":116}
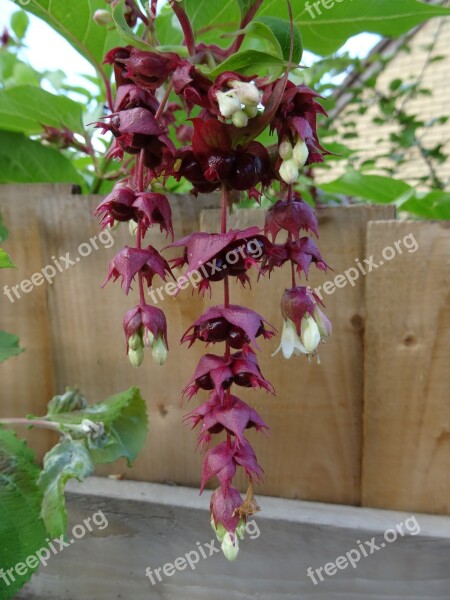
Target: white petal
{"x":310,"y":334}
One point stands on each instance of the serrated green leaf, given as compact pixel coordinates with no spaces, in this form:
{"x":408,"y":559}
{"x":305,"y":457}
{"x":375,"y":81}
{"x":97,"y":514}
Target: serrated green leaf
{"x":69,"y":459}
{"x":27,"y":161}
{"x":124,"y":30}
{"x":73,"y":20}
{"x":249,"y":62}
{"x":20,"y":23}
{"x":9,"y":346}
{"x":124,"y":417}
{"x":278,"y":30}
{"x":368,"y":187}
{"x":22,"y":531}
{"x":26,"y":109}
{"x":325,"y":32}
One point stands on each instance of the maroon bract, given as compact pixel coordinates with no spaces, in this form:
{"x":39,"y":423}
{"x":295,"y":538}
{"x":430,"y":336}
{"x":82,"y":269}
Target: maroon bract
{"x":131,"y":261}
{"x":291,"y":216}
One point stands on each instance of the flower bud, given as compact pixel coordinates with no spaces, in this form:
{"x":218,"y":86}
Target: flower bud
{"x":159,"y":351}
{"x":114,"y":225}
{"x":285,"y":149}
{"x":102,"y":17}
{"x":310,"y":334}
{"x":289,"y":171}
{"x":251,"y":111}
{"x":136,"y":357}
{"x":247,"y":93}
{"x":229,"y":103}
{"x":240,"y":119}
{"x":301,"y":153}
{"x":135,"y":342}
{"x":220,"y":530}
{"x":148,"y":338}
{"x":230,"y":546}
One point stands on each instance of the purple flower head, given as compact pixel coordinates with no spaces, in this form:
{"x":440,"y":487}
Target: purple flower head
{"x":246,"y":372}
{"x":153,"y":209}
{"x":131,"y":96}
{"x":224,"y":502}
{"x":191,"y":85}
{"x":146,"y":323}
{"x":130,"y":261}
{"x":212,"y":373}
{"x":302,"y":252}
{"x":149,"y":70}
{"x":216,"y":255}
{"x":234,"y":417}
{"x":234,"y":324}
{"x":217,"y":462}
{"x":296,"y":303}
{"x":117,"y":206}
{"x":290,"y":216}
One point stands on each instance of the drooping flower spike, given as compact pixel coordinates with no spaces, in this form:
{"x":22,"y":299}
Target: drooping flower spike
{"x":220,"y":151}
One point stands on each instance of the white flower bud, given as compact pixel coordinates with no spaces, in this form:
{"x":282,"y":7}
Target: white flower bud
{"x":135,"y":341}
{"x":229,"y":103}
{"x":301,"y":153}
{"x":289,"y":171}
{"x":102,"y":17}
{"x":310,"y":334}
{"x":290,"y":342}
{"x":247,"y":93}
{"x":251,"y":111}
{"x":285,"y":149}
{"x":159,"y":351}
{"x":230,"y":546}
{"x":136,"y":357}
{"x":148,"y":338}
{"x":240,"y":119}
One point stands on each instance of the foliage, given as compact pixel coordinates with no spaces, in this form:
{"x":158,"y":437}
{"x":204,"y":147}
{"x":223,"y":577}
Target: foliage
{"x":59,"y":156}
{"x":32,"y":498}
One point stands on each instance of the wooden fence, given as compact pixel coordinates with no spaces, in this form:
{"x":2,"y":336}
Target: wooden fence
{"x":369,"y":425}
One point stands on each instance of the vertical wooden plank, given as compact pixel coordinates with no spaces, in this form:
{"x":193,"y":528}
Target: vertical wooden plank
{"x":314,"y":451}
{"x":26,"y":380}
{"x":88,"y":340}
{"x":407,"y":410}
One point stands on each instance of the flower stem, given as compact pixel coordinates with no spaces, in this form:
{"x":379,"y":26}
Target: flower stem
{"x":185,"y":26}
{"x":164,"y":101}
{"x":140,"y":186}
{"x":43,"y":424}
{"x":226,"y":288}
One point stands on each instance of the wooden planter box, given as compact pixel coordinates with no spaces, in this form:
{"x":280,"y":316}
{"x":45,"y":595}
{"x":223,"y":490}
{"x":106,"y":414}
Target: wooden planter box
{"x":151,"y":525}
{"x":368,"y":426}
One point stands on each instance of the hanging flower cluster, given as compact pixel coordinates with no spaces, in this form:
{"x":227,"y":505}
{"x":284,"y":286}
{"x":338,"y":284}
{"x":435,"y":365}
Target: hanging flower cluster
{"x":217,"y":151}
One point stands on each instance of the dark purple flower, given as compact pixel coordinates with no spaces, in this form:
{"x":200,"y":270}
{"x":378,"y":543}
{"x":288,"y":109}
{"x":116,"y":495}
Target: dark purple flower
{"x":237,"y":325}
{"x":291,"y":216}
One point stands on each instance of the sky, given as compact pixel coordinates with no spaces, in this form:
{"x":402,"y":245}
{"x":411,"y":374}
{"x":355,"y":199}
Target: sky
{"x":47,"y":50}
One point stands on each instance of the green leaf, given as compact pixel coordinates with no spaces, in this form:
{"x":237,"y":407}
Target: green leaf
{"x":26,"y":109}
{"x":69,"y":459}
{"x":22,"y":532}
{"x":20,"y":23}
{"x":27,"y":161}
{"x":278,"y":33}
{"x":124,"y":417}
{"x":326,"y":32}
{"x":73,"y":20}
{"x":124,"y":30}
{"x":248,"y":62}
{"x":3,"y":231}
{"x":71,"y":400}
{"x":368,"y":187}
{"x":434,"y":205}
{"x":245,"y":5}
{"x":5,"y":260}
{"x":9,"y":346}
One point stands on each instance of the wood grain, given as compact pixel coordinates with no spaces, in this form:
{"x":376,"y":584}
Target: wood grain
{"x":407,"y":399}
{"x":150,"y":525}
{"x":26,"y":380}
